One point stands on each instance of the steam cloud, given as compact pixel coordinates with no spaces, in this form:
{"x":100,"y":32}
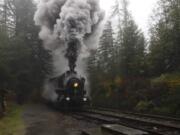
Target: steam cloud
{"x":69,"y":29}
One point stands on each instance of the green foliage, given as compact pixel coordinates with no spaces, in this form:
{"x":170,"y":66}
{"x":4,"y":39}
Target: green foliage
{"x":130,"y":43}
{"x":165,"y":38}
{"x":23,"y":61}
{"x":172,"y":81}
{"x":115,"y":62}
{"x":144,"y":106}
{"x":5,"y":76}
{"x":12,"y":123}
{"x":163,"y":93}
{"x":124,"y":76}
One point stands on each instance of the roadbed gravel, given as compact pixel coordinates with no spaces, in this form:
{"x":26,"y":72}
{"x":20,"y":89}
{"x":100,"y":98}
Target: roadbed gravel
{"x":42,"y":120}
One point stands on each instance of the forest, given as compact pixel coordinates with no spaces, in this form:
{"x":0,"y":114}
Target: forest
{"x":128,"y":71}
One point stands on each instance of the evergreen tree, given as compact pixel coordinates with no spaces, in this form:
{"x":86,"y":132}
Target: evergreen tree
{"x":22,"y":54}
{"x":130,"y":43}
{"x":7,"y":18}
{"x":101,"y":64}
{"x":165,"y":38}
{"x":38,"y":60}
{"x":106,"y":50}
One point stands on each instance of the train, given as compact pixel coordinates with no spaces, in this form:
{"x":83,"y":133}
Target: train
{"x":70,"y":90}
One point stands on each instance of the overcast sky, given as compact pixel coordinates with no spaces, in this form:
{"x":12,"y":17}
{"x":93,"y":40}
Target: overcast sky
{"x":141,"y":10}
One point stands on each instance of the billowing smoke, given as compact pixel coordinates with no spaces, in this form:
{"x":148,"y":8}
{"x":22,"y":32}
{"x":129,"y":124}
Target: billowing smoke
{"x":69,"y":29}
{"x":67,"y":26}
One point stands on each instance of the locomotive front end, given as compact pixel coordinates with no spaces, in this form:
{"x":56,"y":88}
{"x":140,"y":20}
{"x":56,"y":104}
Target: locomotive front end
{"x":70,"y":88}
{"x":75,"y":92}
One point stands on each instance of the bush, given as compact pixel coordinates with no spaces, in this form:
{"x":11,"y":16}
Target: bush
{"x":166,"y":89}
{"x":162,"y":110}
{"x":144,"y":106}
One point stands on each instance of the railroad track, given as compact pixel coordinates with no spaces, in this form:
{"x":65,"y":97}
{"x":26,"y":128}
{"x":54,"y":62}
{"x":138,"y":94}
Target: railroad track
{"x":166,"y":119}
{"x":145,"y":123}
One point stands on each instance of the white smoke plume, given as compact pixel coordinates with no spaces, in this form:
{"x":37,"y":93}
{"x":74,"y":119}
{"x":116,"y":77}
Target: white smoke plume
{"x":67,"y":27}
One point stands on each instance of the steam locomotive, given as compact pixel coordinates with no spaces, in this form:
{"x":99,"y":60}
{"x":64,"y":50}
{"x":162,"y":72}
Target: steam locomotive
{"x":70,"y":88}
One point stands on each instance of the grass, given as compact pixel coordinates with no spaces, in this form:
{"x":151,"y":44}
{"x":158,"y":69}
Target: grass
{"x":12,"y":123}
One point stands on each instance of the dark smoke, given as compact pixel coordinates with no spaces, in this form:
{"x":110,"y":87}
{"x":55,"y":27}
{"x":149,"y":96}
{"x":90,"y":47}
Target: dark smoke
{"x":72,"y":53}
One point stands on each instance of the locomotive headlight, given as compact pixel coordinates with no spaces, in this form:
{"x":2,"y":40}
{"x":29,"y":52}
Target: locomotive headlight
{"x":84,"y":99}
{"x":67,"y":98}
{"x":76,"y":85}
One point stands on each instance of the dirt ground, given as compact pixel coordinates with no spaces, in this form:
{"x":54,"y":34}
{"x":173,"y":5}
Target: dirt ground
{"x":41,"y":120}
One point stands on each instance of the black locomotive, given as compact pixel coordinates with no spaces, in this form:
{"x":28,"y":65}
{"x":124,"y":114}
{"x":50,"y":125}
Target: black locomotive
{"x":70,"y":88}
